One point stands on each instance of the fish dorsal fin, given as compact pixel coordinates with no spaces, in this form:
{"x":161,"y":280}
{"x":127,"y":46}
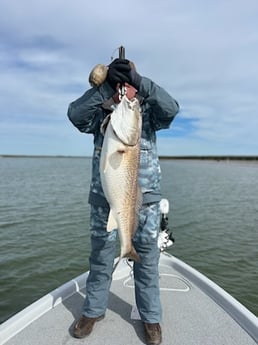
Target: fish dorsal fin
{"x":111,"y":224}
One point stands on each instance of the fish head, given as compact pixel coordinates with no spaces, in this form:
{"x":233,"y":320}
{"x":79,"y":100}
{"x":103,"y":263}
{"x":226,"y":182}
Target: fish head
{"x":126,"y":121}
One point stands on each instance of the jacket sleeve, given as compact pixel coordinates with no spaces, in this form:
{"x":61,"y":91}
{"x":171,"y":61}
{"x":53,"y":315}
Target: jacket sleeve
{"x":86,"y":112}
{"x":164,"y":107}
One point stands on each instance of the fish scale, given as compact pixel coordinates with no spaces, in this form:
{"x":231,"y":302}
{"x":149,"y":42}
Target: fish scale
{"x":119,"y":167}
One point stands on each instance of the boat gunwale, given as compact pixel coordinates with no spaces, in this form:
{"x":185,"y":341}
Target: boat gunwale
{"x":245,"y":318}
{"x":14,"y":325}
{"x":237,"y":311}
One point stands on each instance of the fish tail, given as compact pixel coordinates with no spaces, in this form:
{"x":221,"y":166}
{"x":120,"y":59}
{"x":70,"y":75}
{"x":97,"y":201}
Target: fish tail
{"x":131,"y":255}
{"x":116,"y":264}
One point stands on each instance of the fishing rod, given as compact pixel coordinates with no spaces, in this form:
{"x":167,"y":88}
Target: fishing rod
{"x":122,"y":89}
{"x":99,"y":72}
{"x":121,"y":52}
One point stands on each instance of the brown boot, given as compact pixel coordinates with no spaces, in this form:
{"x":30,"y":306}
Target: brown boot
{"x":84,"y":326}
{"x":152,"y":333}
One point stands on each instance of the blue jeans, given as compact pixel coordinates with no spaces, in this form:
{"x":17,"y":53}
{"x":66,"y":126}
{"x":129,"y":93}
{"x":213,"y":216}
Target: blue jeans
{"x":146,"y":274}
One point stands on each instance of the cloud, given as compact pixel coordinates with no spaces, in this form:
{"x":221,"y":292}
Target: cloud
{"x":203,"y":53}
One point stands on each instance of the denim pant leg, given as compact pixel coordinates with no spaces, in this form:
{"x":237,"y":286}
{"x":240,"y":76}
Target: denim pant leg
{"x":146,"y":272}
{"x":103,"y":250}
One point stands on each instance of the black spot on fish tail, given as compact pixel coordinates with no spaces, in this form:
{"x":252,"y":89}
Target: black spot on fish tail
{"x":131,"y":255}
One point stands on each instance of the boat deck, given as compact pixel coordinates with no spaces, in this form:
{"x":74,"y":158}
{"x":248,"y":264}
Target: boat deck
{"x":195,"y":311}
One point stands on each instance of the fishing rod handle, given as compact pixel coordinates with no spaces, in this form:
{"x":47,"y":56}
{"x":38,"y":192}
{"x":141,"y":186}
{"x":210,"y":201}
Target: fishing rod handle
{"x":121,"y":52}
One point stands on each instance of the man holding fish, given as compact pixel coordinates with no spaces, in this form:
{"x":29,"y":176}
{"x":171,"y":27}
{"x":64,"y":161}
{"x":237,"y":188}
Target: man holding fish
{"x":125,"y":187}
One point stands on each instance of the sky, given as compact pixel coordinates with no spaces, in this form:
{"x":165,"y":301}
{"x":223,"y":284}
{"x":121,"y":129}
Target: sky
{"x":203,"y":52}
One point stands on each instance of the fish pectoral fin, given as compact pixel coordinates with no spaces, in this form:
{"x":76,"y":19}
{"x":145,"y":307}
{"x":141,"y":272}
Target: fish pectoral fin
{"x":111,"y":224}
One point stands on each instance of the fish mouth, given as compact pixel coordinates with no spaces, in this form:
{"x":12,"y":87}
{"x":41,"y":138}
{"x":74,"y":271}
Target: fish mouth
{"x":127,"y":127}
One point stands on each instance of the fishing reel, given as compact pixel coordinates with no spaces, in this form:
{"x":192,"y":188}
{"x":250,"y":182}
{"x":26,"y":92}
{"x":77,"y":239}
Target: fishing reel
{"x":166,"y":238}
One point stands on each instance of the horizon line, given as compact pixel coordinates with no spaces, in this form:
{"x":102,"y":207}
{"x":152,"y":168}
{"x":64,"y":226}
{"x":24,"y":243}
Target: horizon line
{"x":200,"y":157}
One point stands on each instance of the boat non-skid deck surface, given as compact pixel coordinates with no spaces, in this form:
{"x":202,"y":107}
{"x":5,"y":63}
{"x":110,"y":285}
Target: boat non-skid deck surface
{"x":190,"y":316}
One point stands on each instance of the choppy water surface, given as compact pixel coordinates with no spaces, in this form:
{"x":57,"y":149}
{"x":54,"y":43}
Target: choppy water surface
{"x":44,"y":216}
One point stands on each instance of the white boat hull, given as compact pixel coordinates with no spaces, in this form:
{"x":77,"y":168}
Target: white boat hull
{"x":195,"y":311}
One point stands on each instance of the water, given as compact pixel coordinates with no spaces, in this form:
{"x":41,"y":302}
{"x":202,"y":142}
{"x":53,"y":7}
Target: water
{"x":44,"y":219}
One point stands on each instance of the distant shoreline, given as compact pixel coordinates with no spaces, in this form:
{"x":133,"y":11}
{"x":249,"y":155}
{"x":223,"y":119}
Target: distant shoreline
{"x":41,"y":156}
{"x":201,"y":157}
{"x":215,"y":158}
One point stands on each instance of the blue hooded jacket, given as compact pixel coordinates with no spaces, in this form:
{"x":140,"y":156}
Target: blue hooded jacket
{"x":158,"y":111}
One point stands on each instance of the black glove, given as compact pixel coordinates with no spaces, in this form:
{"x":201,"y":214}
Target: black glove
{"x":133,"y":77}
{"x":121,"y":71}
{"x":118,"y":72}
